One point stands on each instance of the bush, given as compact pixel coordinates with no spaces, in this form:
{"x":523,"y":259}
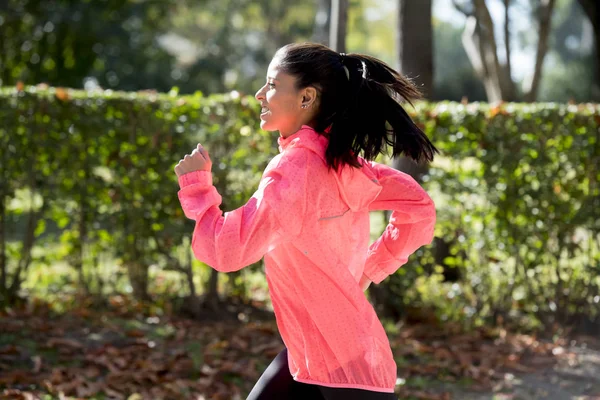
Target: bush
{"x":97,"y":168}
{"x":516,"y":189}
{"x":517,"y":193}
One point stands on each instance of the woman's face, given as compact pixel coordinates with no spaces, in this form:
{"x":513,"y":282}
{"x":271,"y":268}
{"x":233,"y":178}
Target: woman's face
{"x":281,"y":102}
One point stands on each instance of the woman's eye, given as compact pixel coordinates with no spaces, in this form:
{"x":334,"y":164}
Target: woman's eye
{"x":271,"y":85}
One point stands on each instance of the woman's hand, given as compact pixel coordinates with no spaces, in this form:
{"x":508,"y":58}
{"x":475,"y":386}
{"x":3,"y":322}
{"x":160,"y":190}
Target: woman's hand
{"x":364,"y":282}
{"x":199,"y":160}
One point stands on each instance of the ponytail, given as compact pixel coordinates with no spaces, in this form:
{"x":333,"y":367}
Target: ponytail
{"x":360,"y":104}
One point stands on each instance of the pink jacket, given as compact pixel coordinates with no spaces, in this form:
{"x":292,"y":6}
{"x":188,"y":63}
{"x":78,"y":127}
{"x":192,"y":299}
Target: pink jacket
{"x":312,"y":228}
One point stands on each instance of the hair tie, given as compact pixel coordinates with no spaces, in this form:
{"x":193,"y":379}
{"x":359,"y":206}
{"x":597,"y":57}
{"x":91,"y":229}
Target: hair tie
{"x":363,"y":70}
{"x":343,"y":56}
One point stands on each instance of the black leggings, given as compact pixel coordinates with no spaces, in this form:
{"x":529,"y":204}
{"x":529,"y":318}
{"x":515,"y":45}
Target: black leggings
{"x":276,"y":383}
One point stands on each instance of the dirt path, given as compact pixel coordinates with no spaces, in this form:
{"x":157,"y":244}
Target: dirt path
{"x":116,"y":353}
{"x":575,"y":377}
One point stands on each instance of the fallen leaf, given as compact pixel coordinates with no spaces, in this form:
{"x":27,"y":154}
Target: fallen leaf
{"x":61,"y":94}
{"x":442,"y":354}
{"x":92,"y":372}
{"x":137,"y":333}
{"x":53,"y":342}
{"x":239,"y":343}
{"x":517,"y":366}
{"x":114,"y":393}
{"x":37,"y":364}
{"x":9,"y":349}
{"x":14,"y":378}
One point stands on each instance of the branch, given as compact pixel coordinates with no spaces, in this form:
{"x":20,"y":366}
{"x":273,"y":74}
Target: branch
{"x":545,"y":23}
{"x":471,"y":43}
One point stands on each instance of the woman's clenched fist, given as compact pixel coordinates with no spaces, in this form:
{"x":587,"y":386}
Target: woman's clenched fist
{"x":199,"y":160}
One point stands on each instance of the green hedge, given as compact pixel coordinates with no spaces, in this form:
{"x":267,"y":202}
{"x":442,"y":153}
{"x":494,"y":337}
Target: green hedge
{"x":99,"y":170}
{"x":518,"y":203}
{"x":516,"y":188}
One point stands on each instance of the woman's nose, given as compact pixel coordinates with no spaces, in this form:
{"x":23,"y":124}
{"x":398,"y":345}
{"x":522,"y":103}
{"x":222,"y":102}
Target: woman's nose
{"x":258,"y":96}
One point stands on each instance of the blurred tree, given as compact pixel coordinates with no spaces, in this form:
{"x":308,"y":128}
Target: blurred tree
{"x":570,"y":72}
{"x":234,"y":40}
{"x":569,"y":30}
{"x":415,"y":43}
{"x":371,"y":26}
{"x":63,"y":42}
{"x":415,"y":59}
{"x":459,"y":81}
{"x":322,"y":22}
{"x":338,"y":25}
{"x":481,"y":47}
{"x":544,"y":11}
{"x":592,"y":10}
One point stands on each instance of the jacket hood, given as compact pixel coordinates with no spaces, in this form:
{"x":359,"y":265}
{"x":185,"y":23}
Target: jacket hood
{"x":358,"y":187}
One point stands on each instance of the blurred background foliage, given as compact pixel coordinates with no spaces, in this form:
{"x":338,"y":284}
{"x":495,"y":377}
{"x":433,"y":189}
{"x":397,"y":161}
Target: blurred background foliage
{"x":218,"y":45}
{"x":88,"y":205}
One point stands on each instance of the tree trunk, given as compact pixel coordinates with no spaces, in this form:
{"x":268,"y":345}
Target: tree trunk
{"x":415,"y":43}
{"x":137,"y":272}
{"x":322,"y":22}
{"x":212,"y":295}
{"x":194,"y":302}
{"x":415,"y":60}
{"x":4,"y":182}
{"x":3,"y":269}
{"x":545,"y":23}
{"x":26,"y":257}
{"x":29,"y":239}
{"x":80,"y":246}
{"x":339,"y":21}
{"x":508,"y":65}
{"x":189,"y":274}
{"x":592,"y":10}
{"x":480,"y":45}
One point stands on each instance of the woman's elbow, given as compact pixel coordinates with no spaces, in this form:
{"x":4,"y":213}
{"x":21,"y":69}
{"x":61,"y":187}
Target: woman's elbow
{"x":426,"y":225}
{"x":427,"y":214}
{"x":221,"y":264}
{"x":432,"y":212}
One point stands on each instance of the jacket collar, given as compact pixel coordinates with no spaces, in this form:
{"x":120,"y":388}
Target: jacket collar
{"x":305,"y":137}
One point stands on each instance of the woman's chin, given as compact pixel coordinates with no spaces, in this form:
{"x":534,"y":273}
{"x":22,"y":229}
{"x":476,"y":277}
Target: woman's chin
{"x":265,"y":126}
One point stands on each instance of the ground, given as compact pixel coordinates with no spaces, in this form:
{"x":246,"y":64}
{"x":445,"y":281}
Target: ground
{"x":576,"y":376}
{"x":124,"y":351}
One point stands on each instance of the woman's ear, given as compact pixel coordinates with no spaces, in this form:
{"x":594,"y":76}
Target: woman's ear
{"x":309,"y":97}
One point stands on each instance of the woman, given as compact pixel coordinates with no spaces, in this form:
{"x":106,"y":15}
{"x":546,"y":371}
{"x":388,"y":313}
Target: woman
{"x":309,"y":218}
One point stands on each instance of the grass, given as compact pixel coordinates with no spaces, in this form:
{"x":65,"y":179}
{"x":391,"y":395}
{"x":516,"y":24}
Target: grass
{"x":51,"y":278}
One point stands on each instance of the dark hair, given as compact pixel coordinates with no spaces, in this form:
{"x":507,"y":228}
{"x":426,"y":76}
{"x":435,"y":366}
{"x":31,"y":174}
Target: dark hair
{"x":359,"y":100}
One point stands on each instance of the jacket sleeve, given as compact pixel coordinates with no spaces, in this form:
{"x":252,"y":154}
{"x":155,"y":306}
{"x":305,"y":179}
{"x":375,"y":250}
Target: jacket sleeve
{"x":228,"y":242}
{"x":411,"y":224}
